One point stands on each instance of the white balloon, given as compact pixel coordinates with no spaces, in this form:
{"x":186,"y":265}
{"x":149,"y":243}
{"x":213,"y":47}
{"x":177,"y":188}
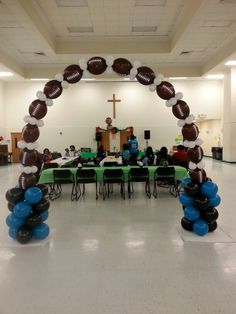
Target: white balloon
{"x":21,"y":144}
{"x":86,"y":74}
{"x":179,"y":96}
{"x":83,"y":64}
{"x":199,"y":141}
{"x":152,"y":87}
{"x":41,"y":95}
{"x":158,"y":79}
{"x":109,"y":60}
{"x":192,"y":165}
{"x":64,"y":84}
{"x":181,"y":123}
{"x":59,"y":77}
{"x":136,"y":64}
{"x":201,"y":164}
{"x":133,"y":72}
{"x":40,"y":123}
{"x":189,"y":119}
{"x":109,"y":70}
{"x":49,"y":102}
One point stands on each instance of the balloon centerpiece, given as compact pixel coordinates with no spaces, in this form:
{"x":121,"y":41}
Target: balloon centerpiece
{"x":29,"y":202}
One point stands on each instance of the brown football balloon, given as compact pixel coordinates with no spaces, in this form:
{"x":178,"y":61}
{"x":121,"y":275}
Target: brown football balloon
{"x":96,"y":65}
{"x":27,"y":180}
{"x":181,"y":110}
{"x":122,"y":66}
{"x":195,"y":154}
{"x":190,"y":132}
{"x":30,"y":133}
{"x":52,"y":89}
{"x":28,"y":157}
{"x":145,"y":75}
{"x":165,"y":90}
{"x":38,"y":109}
{"x":73,"y":73}
{"x":197,"y":175}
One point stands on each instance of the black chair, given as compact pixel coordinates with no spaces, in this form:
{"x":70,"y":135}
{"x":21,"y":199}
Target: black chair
{"x":110,"y":164}
{"x":111,"y":176}
{"x":50,"y":165}
{"x":60,"y":177}
{"x":165,"y":177}
{"x":139,"y":175}
{"x":85,"y":176}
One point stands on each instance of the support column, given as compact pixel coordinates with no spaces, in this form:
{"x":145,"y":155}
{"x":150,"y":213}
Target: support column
{"x":229,"y":116}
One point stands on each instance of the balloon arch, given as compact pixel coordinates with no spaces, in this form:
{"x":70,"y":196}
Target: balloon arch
{"x":28,"y":201}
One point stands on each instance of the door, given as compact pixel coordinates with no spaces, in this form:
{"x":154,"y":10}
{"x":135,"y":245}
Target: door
{"x":124,"y":137}
{"x":106,"y":140}
{"x":15,"y":137}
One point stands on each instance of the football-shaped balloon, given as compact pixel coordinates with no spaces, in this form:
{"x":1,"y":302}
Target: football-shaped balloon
{"x":38,"y":109}
{"x":201,"y":202}
{"x":27,"y":180}
{"x":210,"y":215}
{"x":197,"y":175}
{"x":165,"y":90}
{"x":73,"y":73}
{"x":28,"y":157}
{"x":181,"y":110}
{"x":10,"y":206}
{"x":42,"y":206}
{"x":52,"y":89}
{"x":145,"y":75}
{"x":187,"y":224}
{"x":212,"y":226}
{"x":33,"y":220}
{"x":24,"y":235}
{"x":195,"y":154}
{"x":96,"y":65}
{"x":15,"y":195}
{"x":190,"y":132}
{"x":191,"y":189}
{"x":122,"y":66}
{"x":30,"y":133}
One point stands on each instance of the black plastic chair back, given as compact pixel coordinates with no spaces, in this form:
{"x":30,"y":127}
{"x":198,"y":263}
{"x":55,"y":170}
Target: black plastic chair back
{"x":63,"y":176}
{"x":110,"y":164}
{"x":50,"y":165}
{"x":113,"y":175}
{"x":138,"y":174}
{"x":86,"y":175}
{"x":165,"y":173}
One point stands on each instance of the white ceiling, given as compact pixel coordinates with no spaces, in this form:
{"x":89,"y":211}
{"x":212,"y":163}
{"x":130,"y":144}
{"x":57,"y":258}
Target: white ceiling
{"x":38,"y":38}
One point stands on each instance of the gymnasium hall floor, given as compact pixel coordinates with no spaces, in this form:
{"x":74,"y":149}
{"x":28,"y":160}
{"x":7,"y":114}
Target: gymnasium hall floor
{"x":122,"y":257}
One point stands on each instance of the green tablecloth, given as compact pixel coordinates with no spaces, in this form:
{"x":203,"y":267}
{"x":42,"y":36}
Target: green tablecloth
{"x":87,"y":155}
{"x":47,"y":175}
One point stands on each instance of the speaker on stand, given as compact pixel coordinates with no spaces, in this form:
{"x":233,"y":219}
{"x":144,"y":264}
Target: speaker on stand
{"x":147,"y":136}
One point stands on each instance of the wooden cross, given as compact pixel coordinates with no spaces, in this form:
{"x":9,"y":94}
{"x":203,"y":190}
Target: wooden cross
{"x":114,"y":100}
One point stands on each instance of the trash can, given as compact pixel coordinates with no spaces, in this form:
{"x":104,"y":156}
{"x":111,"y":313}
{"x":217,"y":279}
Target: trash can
{"x":217,"y":153}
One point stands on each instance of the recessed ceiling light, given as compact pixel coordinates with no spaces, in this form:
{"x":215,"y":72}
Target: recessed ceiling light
{"x":6,"y":74}
{"x":230,"y":62}
{"x":39,"y":79}
{"x":215,"y":76}
{"x":145,"y":29}
{"x":178,"y":78}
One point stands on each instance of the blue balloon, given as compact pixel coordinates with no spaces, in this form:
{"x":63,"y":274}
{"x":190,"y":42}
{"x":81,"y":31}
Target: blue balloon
{"x":44,"y":215}
{"x":41,"y":231}
{"x":185,"y":181}
{"x":33,"y":195}
{"x":22,"y":209}
{"x":14,"y":222}
{"x":200,"y":227}
{"x":185,"y":199}
{"x":215,"y":200}
{"x":191,"y":213}
{"x":209,"y":189}
{"x":12,"y":232}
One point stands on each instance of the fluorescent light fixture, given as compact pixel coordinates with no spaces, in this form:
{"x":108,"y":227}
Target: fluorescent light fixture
{"x":39,"y":79}
{"x":80,"y":29}
{"x":88,"y":79}
{"x":230,"y":62}
{"x":5,"y":74}
{"x":144,"y":29}
{"x":215,"y":76}
{"x":178,"y":78}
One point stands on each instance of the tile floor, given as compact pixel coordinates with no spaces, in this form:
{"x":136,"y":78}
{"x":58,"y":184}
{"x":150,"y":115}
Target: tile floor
{"x":121,"y":257}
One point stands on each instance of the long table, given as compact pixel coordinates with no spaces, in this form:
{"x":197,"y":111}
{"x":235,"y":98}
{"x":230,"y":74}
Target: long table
{"x":88,"y":155}
{"x":47,"y":174}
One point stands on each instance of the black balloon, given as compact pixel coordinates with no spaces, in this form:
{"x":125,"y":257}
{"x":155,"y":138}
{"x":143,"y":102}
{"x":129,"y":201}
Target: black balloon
{"x":10,"y":206}
{"x":38,"y":109}
{"x":191,"y":189}
{"x":96,"y":65}
{"x":28,"y":157}
{"x":42,"y":206}
{"x":15,"y":195}
{"x":30,"y":133}
{"x":24,"y":235}
{"x":33,"y":220}
{"x":187,"y":224}
{"x":52,"y":89}
{"x":145,"y":75}
{"x":201,"y":202}
{"x":210,"y":215}
{"x":198,"y":175}
{"x":27,"y":180}
{"x":73,"y":73}
{"x":43,"y":188}
{"x":212,"y":226}
{"x":165,"y":90}
{"x":122,"y":66}
{"x":181,"y":109}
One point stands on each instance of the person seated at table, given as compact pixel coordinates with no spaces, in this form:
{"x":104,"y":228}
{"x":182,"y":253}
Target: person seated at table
{"x":67,"y":152}
{"x":180,"y":158}
{"x":163,"y":158}
{"x":101,"y":154}
{"x":47,"y":156}
{"x":73,"y":152}
{"x":133,"y":149}
{"x":125,"y":154}
{"x":148,"y":158}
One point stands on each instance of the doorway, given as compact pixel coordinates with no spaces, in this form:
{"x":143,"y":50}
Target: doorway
{"x":15,"y":137}
{"x":124,"y":137}
{"x":106,"y":140}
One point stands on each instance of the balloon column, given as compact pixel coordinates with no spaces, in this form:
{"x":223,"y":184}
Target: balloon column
{"x":29,"y":211}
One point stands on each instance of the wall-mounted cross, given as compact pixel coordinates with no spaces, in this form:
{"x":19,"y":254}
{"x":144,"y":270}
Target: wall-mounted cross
{"x":114,"y":100}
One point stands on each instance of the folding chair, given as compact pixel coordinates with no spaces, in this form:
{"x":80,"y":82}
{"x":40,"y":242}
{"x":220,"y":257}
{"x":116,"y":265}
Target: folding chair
{"x":85,"y":176}
{"x":165,"y":177}
{"x":50,"y":165}
{"x":110,"y":164}
{"x":139,"y":175}
{"x":111,"y":176}
{"x":60,"y":177}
